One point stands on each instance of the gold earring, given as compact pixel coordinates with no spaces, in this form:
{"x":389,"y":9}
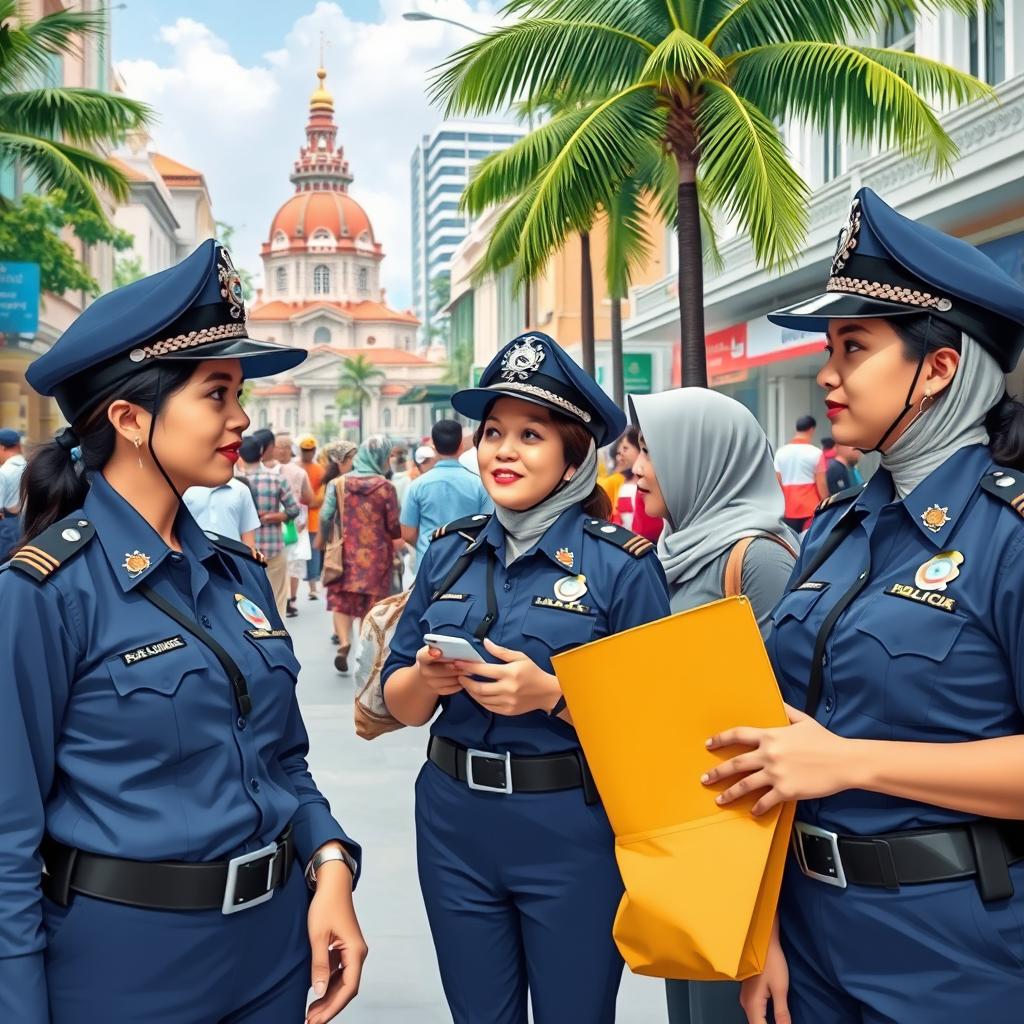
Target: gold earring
{"x":138,"y":450}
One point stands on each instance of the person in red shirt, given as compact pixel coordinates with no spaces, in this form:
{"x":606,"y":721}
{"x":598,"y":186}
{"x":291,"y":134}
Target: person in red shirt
{"x":795,"y":465}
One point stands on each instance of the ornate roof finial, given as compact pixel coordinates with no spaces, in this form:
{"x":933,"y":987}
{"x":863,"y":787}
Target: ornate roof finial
{"x":321,"y":98}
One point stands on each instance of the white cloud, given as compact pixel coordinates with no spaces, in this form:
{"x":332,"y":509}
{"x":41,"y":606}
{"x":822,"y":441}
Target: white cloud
{"x":243,"y":125}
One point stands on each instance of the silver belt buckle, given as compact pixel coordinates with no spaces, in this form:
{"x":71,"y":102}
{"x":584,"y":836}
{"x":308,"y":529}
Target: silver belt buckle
{"x":489,"y":756}
{"x":802,"y":831}
{"x":229,"y":906}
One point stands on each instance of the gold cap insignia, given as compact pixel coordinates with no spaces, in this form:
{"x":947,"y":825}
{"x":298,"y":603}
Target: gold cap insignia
{"x":935,"y":517}
{"x":136,"y":563}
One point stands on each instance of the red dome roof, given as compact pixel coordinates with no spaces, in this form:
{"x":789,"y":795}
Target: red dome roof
{"x":336,"y":211}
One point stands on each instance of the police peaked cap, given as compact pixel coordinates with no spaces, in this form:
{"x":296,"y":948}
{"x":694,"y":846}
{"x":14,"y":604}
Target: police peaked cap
{"x":535,"y":368}
{"x":191,"y":311}
{"x":887,"y":265}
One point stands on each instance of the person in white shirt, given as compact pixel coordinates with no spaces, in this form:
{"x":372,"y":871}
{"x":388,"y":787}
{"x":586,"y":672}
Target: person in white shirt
{"x":795,"y":466}
{"x":12,"y":465}
{"x":228,"y":510}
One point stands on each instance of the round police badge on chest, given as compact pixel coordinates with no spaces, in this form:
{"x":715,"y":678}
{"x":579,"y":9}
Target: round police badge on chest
{"x":939,"y":571}
{"x":571,"y":588}
{"x":251,"y":612}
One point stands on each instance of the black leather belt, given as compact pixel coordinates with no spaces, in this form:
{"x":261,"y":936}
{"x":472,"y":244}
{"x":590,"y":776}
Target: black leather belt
{"x":228,"y":885}
{"x":980,"y":849}
{"x":502,"y":773}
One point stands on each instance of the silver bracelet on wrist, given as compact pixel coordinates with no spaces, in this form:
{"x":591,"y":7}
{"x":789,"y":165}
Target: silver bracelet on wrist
{"x":321,"y":857}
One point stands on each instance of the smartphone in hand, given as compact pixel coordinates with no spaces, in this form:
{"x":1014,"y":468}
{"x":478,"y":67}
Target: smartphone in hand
{"x":452,"y":648}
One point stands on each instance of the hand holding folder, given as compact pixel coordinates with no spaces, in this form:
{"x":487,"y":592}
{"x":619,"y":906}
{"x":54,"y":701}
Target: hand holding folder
{"x":702,"y":882}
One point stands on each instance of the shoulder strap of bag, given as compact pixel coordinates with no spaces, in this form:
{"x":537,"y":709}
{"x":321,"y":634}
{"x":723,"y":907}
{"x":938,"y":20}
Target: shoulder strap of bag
{"x":732,"y":584}
{"x":234,"y":673}
{"x":339,"y":506}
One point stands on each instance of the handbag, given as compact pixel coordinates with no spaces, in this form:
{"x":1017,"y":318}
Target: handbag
{"x":334,"y":562}
{"x":290,"y":532}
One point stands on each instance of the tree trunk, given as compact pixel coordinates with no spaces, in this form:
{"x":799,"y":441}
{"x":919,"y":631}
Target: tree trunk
{"x":691,"y":282}
{"x":618,"y":373}
{"x":587,"y":305}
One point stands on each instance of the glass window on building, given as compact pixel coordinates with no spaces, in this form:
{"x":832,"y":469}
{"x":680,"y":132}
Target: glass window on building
{"x":363,"y":280}
{"x":832,"y":164}
{"x":986,"y":30}
{"x":322,"y":336}
{"x":321,"y":280}
{"x":281,"y":280}
{"x":386,"y":418}
{"x":898,"y":33}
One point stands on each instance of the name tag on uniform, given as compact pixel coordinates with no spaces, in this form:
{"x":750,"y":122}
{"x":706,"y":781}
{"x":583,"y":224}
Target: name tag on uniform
{"x":172,"y":643}
{"x":453,"y":597}
{"x":565,"y":606}
{"x":813,"y":585}
{"x":267,"y":634}
{"x":928,"y":597}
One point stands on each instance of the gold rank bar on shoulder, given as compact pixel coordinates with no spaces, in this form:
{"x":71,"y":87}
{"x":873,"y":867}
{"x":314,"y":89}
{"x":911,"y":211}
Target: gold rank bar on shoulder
{"x":41,"y":563}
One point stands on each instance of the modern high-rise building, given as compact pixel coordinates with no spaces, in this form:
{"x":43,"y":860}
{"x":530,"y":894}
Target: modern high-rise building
{"x":440,"y":170}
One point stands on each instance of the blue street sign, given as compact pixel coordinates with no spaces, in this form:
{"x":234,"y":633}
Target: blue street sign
{"x":19,"y":298}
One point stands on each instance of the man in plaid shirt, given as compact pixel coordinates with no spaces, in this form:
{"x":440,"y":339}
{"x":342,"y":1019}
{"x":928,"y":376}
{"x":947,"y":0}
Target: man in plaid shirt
{"x":276,"y":505}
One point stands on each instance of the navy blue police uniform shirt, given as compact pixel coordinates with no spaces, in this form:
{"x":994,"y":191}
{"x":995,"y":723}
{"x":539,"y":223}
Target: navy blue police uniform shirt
{"x":119,"y":731}
{"x":932,"y":648}
{"x":622,"y":591}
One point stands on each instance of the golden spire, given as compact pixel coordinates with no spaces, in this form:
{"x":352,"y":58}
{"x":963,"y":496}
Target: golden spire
{"x":321,"y":98}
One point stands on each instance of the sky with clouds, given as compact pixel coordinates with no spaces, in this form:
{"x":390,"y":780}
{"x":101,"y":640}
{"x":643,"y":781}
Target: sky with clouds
{"x":230,"y":84}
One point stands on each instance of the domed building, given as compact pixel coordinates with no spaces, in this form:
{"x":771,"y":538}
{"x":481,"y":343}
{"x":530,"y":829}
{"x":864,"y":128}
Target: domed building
{"x":322,"y":291}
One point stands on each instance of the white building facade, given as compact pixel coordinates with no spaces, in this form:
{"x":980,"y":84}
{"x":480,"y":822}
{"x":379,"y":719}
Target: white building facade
{"x":772,"y":370}
{"x":323,"y":292}
{"x":440,"y":169}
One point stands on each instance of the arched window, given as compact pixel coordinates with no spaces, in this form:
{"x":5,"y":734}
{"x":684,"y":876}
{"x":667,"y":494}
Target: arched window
{"x":322,"y":239}
{"x":363,"y":280}
{"x":322,"y":336}
{"x":280,"y":241}
{"x":263,"y":417}
{"x":289,"y":416}
{"x":321,"y":280}
{"x":386,"y":418}
{"x":282,"y":280}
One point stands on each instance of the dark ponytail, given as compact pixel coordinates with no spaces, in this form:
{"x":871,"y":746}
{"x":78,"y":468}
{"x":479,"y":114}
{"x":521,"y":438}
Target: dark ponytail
{"x":1004,"y":422}
{"x":55,"y":480}
{"x":1005,"y":426}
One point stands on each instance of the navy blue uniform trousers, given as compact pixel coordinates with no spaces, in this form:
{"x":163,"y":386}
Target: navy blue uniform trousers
{"x":521,"y":892}
{"x":927,"y":954}
{"x":128,"y":965}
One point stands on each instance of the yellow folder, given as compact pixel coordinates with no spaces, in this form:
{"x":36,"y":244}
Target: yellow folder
{"x":702,"y":882}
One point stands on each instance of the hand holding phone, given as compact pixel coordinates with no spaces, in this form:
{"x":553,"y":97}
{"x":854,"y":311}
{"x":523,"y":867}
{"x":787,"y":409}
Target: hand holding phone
{"x":452,"y":648}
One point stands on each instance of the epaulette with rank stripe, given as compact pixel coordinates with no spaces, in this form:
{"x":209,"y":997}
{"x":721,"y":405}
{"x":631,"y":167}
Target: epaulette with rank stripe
{"x":466,"y":526}
{"x":1006,"y":485}
{"x":236,"y":547}
{"x":52,"y":548}
{"x":631,"y":543}
{"x":840,"y":498}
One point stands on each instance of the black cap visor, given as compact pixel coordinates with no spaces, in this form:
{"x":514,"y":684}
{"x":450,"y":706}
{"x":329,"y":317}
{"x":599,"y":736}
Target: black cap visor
{"x":814,"y":314}
{"x":259,"y":358}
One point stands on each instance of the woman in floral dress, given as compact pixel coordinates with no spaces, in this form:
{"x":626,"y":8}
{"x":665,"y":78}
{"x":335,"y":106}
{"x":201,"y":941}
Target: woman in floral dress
{"x":370,"y":527}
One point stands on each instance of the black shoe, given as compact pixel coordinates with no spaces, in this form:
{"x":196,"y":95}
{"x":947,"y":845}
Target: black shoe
{"x":341,"y":659}
{"x":314,"y":597}
{"x":290,"y":610}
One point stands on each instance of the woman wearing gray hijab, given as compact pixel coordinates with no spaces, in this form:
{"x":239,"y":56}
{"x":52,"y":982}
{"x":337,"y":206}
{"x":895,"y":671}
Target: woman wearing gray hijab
{"x":706,"y":468}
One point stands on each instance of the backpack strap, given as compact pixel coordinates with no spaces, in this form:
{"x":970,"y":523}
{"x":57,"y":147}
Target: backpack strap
{"x":55,"y":546}
{"x":732,"y":580}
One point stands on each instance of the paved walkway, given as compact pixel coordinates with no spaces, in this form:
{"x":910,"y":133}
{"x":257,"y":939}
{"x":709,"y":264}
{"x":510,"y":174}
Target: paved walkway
{"x":370,"y":787}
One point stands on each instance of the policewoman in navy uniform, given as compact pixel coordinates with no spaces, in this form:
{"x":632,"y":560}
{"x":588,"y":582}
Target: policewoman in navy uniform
{"x":515,"y":852}
{"x":158,"y":812}
{"x":899,"y":647}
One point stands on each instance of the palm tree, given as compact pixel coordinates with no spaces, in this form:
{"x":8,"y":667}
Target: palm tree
{"x":354,"y":385}
{"x":52,"y":132}
{"x":459,"y":365}
{"x":709,"y":81}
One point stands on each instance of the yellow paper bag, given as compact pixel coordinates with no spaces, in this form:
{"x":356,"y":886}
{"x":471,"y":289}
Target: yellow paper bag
{"x":702,"y":882}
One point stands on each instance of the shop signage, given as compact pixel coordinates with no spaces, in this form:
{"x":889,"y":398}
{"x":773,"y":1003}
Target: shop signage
{"x":19,"y":298}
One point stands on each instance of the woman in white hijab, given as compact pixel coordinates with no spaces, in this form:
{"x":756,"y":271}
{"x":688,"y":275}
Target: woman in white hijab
{"x":706,"y":468}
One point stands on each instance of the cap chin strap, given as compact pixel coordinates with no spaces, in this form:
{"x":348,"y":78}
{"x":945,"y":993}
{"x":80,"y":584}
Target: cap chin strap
{"x":152,"y":450}
{"x":910,"y":393}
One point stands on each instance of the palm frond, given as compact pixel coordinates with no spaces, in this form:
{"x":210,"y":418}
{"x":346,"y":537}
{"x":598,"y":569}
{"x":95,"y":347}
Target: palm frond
{"x":743,"y":24}
{"x":628,"y":245}
{"x":832,"y":83}
{"x":745,"y":172}
{"x":603,"y":151}
{"x":507,"y":173}
{"x":503,"y":246}
{"x":27,"y":47}
{"x":647,"y":18}
{"x":681,"y":59}
{"x":59,"y":165}
{"x":576,"y":57}
{"x":79,"y":115}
